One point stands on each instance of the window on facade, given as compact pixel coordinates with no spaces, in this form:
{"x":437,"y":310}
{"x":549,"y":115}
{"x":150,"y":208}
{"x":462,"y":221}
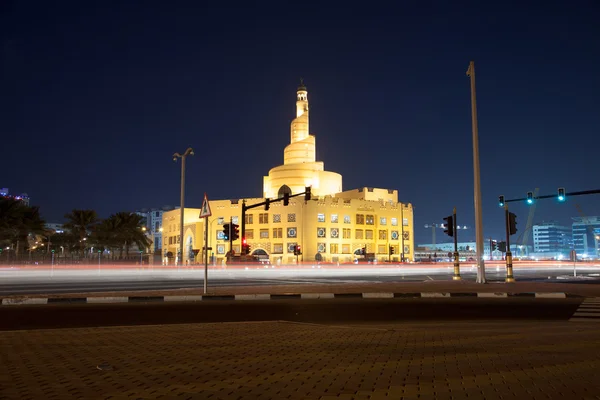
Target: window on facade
{"x":170,"y":239}
{"x":334,"y":218}
{"x":347,"y":233}
{"x":277,"y":218}
{"x":178,"y":239}
{"x":394,"y":221}
{"x":321,"y":248}
{"x":278,"y":248}
{"x":405,"y":221}
{"x":395,"y":235}
{"x":249,"y":233}
{"x":358,"y":234}
{"x":333,"y":248}
{"x":320,"y":217}
{"x":369,"y":234}
{"x":381,"y":249}
{"x":263,"y":218}
{"x":157,"y":214}
{"x":235,"y":220}
{"x":277,"y":233}
{"x":291,"y":217}
{"x":249,"y":218}
{"x":382,"y":221}
{"x":292,"y":232}
{"x":334,"y":233}
{"x":382,"y":235}
{"x":321,"y":232}
{"x":360,"y":219}
{"x":345,"y":249}
{"x":264,"y":233}
{"x":220,"y":221}
{"x":347,"y":219}
{"x":370,"y":220}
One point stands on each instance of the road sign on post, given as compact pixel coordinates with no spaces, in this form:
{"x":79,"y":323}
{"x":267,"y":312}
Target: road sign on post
{"x":205,"y":210}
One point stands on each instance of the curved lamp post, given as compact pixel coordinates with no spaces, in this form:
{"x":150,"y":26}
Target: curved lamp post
{"x":183,"y":156}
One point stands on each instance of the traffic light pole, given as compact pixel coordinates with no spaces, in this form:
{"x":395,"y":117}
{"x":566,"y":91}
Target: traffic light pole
{"x":230,"y":236}
{"x":306,"y":193}
{"x":509,"y":267}
{"x":456,"y":276}
{"x":553,"y":196}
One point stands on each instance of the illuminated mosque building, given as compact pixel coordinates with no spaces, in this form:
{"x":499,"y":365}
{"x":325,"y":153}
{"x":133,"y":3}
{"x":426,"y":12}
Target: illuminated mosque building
{"x":333,"y":226}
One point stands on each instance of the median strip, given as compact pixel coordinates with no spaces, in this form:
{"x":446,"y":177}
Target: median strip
{"x":286,"y":296}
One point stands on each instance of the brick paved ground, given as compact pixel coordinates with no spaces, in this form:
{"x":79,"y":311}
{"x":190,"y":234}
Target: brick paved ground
{"x":279,"y":360}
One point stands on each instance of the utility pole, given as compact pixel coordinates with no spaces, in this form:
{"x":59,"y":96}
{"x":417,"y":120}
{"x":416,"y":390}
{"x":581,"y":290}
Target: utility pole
{"x":476,"y":180}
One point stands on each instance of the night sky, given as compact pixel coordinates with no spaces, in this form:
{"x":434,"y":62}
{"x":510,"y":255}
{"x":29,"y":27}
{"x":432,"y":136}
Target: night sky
{"x":96,"y":96}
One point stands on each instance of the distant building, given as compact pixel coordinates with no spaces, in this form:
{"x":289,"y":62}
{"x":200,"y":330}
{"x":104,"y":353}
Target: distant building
{"x":154,"y":219}
{"x":550,"y":237}
{"x":466,"y":248}
{"x":586,"y":235}
{"x":4,"y":192}
{"x":57,"y":228}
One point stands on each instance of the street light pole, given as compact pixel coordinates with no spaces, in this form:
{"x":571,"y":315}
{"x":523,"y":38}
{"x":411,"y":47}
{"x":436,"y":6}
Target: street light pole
{"x":183,"y":156}
{"x":476,"y":180}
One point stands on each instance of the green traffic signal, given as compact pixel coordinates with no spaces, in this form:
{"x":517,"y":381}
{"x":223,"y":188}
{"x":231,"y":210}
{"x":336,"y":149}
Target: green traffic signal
{"x":562,"y":196}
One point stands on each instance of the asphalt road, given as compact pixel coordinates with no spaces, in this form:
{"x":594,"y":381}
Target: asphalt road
{"x":90,"y":281}
{"x":330,"y":311}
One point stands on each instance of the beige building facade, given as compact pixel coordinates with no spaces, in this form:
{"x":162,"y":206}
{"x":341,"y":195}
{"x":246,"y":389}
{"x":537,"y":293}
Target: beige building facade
{"x":333,"y":226}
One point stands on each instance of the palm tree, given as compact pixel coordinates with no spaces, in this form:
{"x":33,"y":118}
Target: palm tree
{"x":106,"y":235}
{"x":17,"y":221}
{"x":80,"y":222}
{"x":131,"y":231}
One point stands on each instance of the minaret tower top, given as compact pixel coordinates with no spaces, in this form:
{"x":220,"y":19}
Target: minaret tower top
{"x":302,"y":100}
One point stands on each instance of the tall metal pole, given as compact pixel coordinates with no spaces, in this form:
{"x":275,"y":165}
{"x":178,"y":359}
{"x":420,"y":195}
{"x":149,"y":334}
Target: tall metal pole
{"x":456,"y":276}
{"x":509,"y":266}
{"x":476,"y":180}
{"x":182,"y":210}
{"x":183,"y":157}
{"x":401,"y":232}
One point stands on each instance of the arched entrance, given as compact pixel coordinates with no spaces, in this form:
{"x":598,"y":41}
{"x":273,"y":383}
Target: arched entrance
{"x":283,"y":190}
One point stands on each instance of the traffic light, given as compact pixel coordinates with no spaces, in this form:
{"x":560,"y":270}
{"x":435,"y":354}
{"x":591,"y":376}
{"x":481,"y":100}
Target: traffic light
{"x":391,"y":249}
{"x":494,"y":245}
{"x":245,"y":247}
{"x":226,"y":230}
{"x":267,"y":204}
{"x":307,"y":193}
{"x":286,"y":199}
{"x":235,"y":232}
{"x":449,"y":225}
{"x":297,"y":250}
{"x":529,"y":197}
{"x":561,"y":194}
{"x":363,"y":251}
{"x":502,"y":247}
{"x":501,"y":201}
{"x":512,"y":223}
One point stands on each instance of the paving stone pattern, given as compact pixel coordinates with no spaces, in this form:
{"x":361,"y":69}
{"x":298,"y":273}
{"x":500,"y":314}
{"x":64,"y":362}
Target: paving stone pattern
{"x":280,"y":360}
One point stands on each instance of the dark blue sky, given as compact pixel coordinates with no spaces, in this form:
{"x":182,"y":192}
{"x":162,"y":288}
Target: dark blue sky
{"x":95,"y":97}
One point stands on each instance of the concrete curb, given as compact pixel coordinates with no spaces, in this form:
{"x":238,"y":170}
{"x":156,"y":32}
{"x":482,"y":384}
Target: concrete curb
{"x":249,"y":297}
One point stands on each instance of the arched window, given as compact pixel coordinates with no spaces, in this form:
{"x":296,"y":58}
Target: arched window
{"x":283,"y":190}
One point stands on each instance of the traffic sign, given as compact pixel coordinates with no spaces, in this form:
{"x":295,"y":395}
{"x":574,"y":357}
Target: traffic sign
{"x":205,"y":211}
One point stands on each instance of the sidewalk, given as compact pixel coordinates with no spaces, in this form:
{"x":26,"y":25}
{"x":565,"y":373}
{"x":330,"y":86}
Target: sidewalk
{"x":278,"y":360}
